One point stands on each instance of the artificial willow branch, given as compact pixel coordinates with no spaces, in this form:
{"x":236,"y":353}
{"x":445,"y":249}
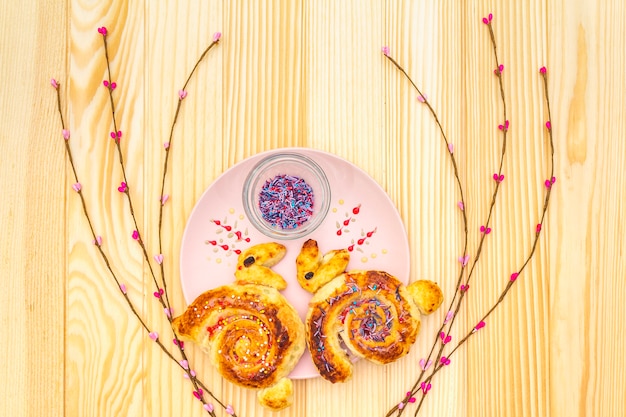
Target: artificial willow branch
{"x":442,"y":337}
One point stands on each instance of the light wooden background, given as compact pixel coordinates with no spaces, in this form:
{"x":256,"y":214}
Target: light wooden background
{"x":310,"y":73}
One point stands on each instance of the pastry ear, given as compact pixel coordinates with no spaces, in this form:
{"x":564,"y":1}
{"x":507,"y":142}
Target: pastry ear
{"x":426,"y":294}
{"x":314,"y":271}
{"x":253,"y":265}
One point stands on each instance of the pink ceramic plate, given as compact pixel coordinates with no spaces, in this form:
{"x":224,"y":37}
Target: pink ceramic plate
{"x":361,"y":218}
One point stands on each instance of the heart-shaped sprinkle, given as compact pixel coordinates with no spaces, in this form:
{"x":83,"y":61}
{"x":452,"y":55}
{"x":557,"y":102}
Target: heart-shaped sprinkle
{"x":159,"y":258}
{"x":229,"y":410}
{"x":182,"y":94}
{"x":464,"y":260}
{"x":208,"y":407}
{"x":153,"y":335}
{"x":77,"y":186}
{"x":158,"y":293}
{"x":425,"y":365}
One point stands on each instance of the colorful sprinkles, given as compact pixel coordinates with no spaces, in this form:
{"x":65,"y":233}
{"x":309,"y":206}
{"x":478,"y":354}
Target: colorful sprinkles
{"x":286,"y":201}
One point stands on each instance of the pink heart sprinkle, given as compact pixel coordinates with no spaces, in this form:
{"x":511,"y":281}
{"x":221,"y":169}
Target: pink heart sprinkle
{"x":217,"y":36}
{"x":123,"y":288}
{"x":208,"y":407}
{"x":448,"y":316}
{"x":464,"y":260}
{"x":66,"y":134}
{"x":77,"y":186}
{"x":182,"y":94}
{"x":153,"y":335}
{"x":159,"y":258}
{"x":229,"y":410}
{"x":514,"y":276}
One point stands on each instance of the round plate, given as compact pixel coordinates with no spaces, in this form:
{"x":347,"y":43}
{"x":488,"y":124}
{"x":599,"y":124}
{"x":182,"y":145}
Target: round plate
{"x":361,"y":218}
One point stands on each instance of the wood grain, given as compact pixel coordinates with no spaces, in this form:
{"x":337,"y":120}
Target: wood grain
{"x":312,"y":74}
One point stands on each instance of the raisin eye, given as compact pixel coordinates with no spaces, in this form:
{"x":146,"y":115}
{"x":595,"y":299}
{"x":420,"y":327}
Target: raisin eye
{"x":248,"y":261}
{"x":308,"y":275}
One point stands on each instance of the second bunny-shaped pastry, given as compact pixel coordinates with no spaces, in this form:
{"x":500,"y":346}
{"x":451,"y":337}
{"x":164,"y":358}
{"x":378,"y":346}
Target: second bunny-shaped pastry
{"x":371,"y":314}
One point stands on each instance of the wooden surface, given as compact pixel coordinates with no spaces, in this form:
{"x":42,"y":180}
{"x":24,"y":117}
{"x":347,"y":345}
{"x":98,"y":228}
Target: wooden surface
{"x":311,"y":74}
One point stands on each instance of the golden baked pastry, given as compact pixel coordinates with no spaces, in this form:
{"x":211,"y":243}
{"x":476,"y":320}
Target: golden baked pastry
{"x":370,"y":312}
{"x":314,"y":270}
{"x":426,"y":294}
{"x":253,"y":336}
{"x":253,"y":265}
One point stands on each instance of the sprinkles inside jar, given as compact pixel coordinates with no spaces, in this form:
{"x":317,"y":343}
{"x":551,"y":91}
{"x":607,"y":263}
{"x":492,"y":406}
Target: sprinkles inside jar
{"x":286,"y":201}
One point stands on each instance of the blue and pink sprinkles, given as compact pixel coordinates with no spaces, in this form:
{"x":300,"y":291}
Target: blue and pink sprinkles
{"x":286,"y":201}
